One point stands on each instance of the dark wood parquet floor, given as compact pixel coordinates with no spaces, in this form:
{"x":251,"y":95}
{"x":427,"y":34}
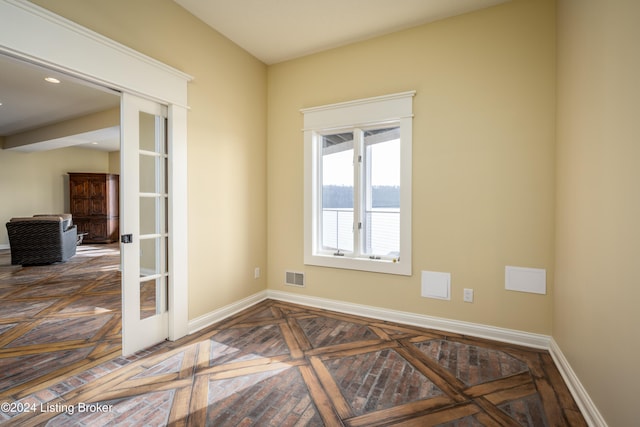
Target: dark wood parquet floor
{"x":58,"y":319}
{"x":281,"y":364}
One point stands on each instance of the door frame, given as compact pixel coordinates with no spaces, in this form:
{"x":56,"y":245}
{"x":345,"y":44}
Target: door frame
{"x":34,"y":34}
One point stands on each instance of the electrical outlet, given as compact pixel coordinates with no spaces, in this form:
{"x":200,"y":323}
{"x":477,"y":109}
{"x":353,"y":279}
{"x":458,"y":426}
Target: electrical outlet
{"x":467,"y":295}
{"x":256,"y":273}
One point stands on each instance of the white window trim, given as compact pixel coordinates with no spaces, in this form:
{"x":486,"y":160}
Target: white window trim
{"x":392,"y":108}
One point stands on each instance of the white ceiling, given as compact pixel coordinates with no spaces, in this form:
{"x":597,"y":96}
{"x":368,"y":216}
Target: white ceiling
{"x":29,"y":102}
{"x":279,"y":30}
{"x":107,"y":139}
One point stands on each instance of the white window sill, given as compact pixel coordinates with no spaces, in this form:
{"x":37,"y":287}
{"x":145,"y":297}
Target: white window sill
{"x":363,"y":264}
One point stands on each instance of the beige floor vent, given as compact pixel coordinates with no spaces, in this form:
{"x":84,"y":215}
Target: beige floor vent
{"x":294,"y":278}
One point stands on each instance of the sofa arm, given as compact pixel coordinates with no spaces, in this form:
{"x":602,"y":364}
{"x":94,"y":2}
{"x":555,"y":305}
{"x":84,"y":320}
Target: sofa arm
{"x":69,"y":242}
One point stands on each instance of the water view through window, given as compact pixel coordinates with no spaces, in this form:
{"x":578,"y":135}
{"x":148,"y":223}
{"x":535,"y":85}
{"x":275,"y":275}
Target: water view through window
{"x":377,"y":195}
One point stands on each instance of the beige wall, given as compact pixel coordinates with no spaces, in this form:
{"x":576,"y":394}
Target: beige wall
{"x":596,"y":316}
{"x":483,"y":160}
{"x":37,"y":182}
{"x":114,"y":162}
{"x":226,"y":138}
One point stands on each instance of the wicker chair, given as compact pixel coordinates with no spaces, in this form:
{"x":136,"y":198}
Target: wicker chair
{"x":41,"y":240}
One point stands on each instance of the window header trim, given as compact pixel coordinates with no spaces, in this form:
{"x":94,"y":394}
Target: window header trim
{"x":360,"y":112}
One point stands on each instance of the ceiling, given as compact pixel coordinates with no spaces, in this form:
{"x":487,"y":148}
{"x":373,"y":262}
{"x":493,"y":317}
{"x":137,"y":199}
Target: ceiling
{"x":29,"y":102}
{"x":279,"y":30}
{"x":271,"y":30}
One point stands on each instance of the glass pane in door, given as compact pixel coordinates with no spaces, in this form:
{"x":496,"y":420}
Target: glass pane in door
{"x":151,"y":168}
{"x":147,"y":125}
{"x":150,"y":258}
{"x":148,"y":298}
{"x":148,"y":216}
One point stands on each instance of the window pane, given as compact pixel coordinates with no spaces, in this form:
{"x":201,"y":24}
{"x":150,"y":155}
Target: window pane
{"x":337,"y":192}
{"x":381,"y":226}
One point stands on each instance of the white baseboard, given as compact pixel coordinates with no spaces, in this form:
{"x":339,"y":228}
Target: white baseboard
{"x":587,"y":407}
{"x":456,"y":326}
{"x":222,"y":313}
{"x":448,"y":325}
{"x":4,"y":246}
{"x":544,"y":342}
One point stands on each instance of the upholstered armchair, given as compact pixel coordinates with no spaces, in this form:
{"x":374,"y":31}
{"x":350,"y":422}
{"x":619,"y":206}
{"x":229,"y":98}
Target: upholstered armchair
{"x":41,"y":239}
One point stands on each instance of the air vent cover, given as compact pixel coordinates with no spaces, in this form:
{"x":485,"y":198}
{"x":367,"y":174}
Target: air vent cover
{"x":294,"y":278}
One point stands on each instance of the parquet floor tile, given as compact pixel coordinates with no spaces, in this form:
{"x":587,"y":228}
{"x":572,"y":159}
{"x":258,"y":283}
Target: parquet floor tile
{"x":379,"y":380}
{"x":273,"y":364}
{"x":472,"y":364}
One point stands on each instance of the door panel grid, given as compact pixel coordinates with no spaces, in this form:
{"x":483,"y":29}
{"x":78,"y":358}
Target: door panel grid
{"x":145,"y":160}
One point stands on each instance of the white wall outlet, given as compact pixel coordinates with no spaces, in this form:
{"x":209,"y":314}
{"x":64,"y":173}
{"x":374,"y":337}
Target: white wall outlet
{"x":256,"y":273}
{"x":467,"y":295}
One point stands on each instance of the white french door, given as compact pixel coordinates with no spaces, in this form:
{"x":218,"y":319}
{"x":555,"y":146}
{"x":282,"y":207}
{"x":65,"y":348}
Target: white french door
{"x":144,"y":192}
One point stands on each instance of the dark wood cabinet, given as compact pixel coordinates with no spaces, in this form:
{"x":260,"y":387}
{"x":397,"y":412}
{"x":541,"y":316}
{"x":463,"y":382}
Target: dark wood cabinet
{"x":94,"y":204}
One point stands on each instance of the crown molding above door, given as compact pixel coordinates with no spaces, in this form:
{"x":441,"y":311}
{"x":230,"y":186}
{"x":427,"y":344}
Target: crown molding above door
{"x":103,"y":61}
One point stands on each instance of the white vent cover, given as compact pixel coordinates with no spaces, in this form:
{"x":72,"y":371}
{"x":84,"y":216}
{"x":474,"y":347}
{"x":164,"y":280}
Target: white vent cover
{"x":294,"y":278}
{"x":436,"y":285}
{"x":533,"y":280}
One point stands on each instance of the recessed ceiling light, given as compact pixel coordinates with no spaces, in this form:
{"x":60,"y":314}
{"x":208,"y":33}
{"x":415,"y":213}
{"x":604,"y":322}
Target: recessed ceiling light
{"x":52,"y":80}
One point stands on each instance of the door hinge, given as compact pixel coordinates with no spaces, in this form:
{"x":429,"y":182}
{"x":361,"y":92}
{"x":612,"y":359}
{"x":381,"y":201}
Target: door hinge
{"x":126,"y":238}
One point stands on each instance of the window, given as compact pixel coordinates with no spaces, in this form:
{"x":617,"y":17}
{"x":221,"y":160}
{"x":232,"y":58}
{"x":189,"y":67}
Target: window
{"x":358,"y":184}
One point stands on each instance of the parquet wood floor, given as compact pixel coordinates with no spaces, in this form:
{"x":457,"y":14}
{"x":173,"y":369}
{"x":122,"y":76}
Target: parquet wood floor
{"x":58,"y":319}
{"x":281,"y":364}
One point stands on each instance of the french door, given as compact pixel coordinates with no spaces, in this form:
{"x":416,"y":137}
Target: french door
{"x":144,"y":223}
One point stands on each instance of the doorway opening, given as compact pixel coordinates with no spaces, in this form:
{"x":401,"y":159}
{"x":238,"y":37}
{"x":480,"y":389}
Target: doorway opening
{"x":104,"y":62}
{"x":98,"y":60}
{"x":60,"y":316}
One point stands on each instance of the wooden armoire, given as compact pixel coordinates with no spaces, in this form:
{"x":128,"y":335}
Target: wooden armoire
{"x":94,"y":204}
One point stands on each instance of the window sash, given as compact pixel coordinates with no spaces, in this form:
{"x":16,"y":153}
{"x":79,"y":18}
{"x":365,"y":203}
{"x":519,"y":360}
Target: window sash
{"x":343,"y":244}
{"x":370,"y":214}
{"x":360,"y":217}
